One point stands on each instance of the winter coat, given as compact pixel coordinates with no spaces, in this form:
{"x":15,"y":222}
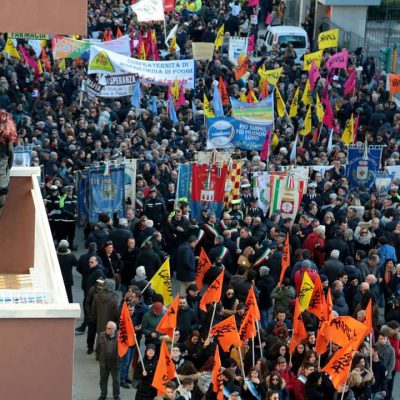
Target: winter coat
{"x":186,"y":322}
{"x":107,"y":350}
{"x":150,"y":260}
{"x":144,"y":389}
{"x":332,"y":268}
{"x":388,"y":357}
{"x":67,"y":261}
{"x":339,"y":303}
{"x":149,"y":325}
{"x":185,"y":263}
{"x":265,"y":285}
{"x":310,"y":244}
{"x":105,"y":307}
{"x":282,"y":296}
{"x":119,"y":237}
{"x":394,"y":339}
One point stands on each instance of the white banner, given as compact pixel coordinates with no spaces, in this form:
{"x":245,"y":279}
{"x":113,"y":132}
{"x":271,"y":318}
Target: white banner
{"x":120,"y":45}
{"x":111,"y":86}
{"x":394,"y":169}
{"x":237,"y":45}
{"x":262,"y":190}
{"x":149,"y":10}
{"x":153,"y":72}
{"x":130,"y":179}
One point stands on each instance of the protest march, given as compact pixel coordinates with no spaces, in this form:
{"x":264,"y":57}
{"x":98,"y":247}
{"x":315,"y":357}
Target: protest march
{"x":239,"y":204}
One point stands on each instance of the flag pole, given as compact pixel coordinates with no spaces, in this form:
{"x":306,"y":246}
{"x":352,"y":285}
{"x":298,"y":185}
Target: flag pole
{"x":370,"y":350}
{"x":344,"y":386}
{"x":241,"y":362}
{"x":253,"y":352}
{"x":144,"y":289}
{"x":212,"y":317}
{"x":140,"y":354}
{"x":259,"y":338}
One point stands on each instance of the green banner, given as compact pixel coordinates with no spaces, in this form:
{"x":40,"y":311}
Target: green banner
{"x":36,"y":36}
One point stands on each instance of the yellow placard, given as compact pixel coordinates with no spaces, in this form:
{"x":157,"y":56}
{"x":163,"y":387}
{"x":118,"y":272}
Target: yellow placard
{"x":309,"y":58}
{"x":328,"y":39}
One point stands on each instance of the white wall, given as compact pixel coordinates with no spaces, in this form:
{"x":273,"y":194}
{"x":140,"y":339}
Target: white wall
{"x":350,"y":18}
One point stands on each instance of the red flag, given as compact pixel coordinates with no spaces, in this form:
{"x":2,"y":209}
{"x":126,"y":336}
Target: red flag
{"x":251,"y":44}
{"x":126,"y":331}
{"x":169,"y":6}
{"x":213,"y":292}
{"x":165,"y":370}
{"x":251,"y":97}
{"x":299,"y":330}
{"x":350,"y":84}
{"x":222,"y":92}
{"x":226,"y":333}
{"x":356,"y":123}
{"x":285,"y":258}
{"x":265,"y":149}
{"x":268,"y":18}
{"x":119,"y":33}
{"x":329,"y":118}
{"x":248,"y":326}
{"x":181,"y":98}
{"x":217,"y":376}
{"x":251,"y":303}
{"x":339,"y":365}
{"x":315,"y":135}
{"x":168,"y":321}
{"x":203,"y":266}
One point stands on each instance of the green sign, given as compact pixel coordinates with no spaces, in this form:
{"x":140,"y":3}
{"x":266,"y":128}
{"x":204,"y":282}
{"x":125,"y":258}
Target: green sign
{"x":37,"y":36}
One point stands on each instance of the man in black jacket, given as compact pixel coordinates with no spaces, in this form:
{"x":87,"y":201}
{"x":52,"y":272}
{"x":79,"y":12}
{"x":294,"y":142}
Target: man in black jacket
{"x":186,"y":264}
{"x":186,"y":320}
{"x":265,"y":285}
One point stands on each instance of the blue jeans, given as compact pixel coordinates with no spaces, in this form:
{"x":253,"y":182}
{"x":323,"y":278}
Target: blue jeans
{"x":264,"y":314}
{"x":126,"y":362}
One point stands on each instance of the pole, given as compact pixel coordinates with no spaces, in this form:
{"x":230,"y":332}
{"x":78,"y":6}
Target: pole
{"x":212,"y":318}
{"x":140,"y":354}
{"x":241,"y":362}
{"x":370,"y":350}
{"x":344,"y":386}
{"x":259,"y":338}
{"x":253,"y":351}
{"x":172,"y":340}
{"x":144,"y":289}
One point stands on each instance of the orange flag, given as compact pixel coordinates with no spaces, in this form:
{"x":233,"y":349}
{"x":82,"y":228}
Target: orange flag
{"x":119,"y":33}
{"x":321,"y":345}
{"x":126,"y":331}
{"x":226,"y":333}
{"x":216,"y":375}
{"x":213,"y":292}
{"x":285,"y":258}
{"x":299,"y":330}
{"x":315,"y":135}
{"x":168,"y":321}
{"x":248,"y":326}
{"x":317,"y":305}
{"x":368,"y":317}
{"x":243,"y":65}
{"x":251,"y":303}
{"x":329,"y":305}
{"x":264,"y":88}
{"x":46,"y":61}
{"x":251,"y":97}
{"x":222,"y":92}
{"x":203,"y":266}
{"x":339,"y":366}
{"x":165,"y":370}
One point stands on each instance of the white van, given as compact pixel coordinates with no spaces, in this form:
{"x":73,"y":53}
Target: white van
{"x":283,"y":35}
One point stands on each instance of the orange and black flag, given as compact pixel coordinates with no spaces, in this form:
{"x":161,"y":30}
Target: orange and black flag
{"x":299,"y":330}
{"x":226,"y":333}
{"x":126,"y":333}
{"x":168,"y":321}
{"x":165,"y":370}
{"x":217,"y":381}
{"x":285,"y":258}
{"x":329,"y":305}
{"x":222,"y":92}
{"x":339,"y":365}
{"x":213,"y":292}
{"x":368,"y":317}
{"x":251,"y":303}
{"x":203,"y":265}
{"x":248,"y":326}
{"x":317,"y":305}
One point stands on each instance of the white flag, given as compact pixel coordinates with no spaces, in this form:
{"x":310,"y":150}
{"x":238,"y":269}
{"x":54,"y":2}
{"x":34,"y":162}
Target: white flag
{"x":149,"y":10}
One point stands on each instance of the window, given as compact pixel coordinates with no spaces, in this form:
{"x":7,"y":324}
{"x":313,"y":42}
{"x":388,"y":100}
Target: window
{"x":298,"y":42}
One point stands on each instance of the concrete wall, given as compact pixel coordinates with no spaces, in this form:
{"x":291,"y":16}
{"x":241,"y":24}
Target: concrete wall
{"x":37,"y":358}
{"x":350,"y":18}
{"x":63,"y":17}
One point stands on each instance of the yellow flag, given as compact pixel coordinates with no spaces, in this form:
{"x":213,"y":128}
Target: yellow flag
{"x":208,"y":111}
{"x":11,"y":50}
{"x":40,"y":67}
{"x":62,"y":65}
{"x":307,"y":123}
{"x":43,"y":43}
{"x":295,"y":104}
{"x":219,"y":40}
{"x":175,"y":89}
{"x":328,"y":39}
{"x":309,"y":58}
{"x":161,"y":282}
{"x":306,"y":291}
{"x":306,"y":98}
{"x":274,"y":141}
{"x":348,"y":133}
{"x":243,"y":97}
{"x":319,"y":109}
{"x":280,"y":104}
{"x":172,"y":44}
{"x":271,"y":75}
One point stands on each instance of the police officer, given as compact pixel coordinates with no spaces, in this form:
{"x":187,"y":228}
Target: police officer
{"x":254,"y":210}
{"x":236,"y":213}
{"x":54,"y":213}
{"x":155,"y":208}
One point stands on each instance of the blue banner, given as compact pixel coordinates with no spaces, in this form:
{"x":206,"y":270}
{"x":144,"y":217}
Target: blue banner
{"x":259,"y":113}
{"x":106,"y":192}
{"x":225,"y":133}
{"x":184,"y":181}
{"x":362,"y":164}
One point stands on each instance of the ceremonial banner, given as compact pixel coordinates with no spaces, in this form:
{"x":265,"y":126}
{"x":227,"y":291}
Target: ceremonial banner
{"x":338,"y":60}
{"x":259,"y":113}
{"x":237,"y":45}
{"x":149,"y":10}
{"x":130,"y":179}
{"x":328,"y":39}
{"x":228,"y":132}
{"x":82,"y":191}
{"x":360,"y":166}
{"x":64,"y":47}
{"x":394,"y":169}
{"x":383,"y":180}
{"x":232,"y":184}
{"x":106,"y":192}
{"x":309,"y":58}
{"x":153,"y":72}
{"x":394,"y":83}
{"x":112,"y":88}
{"x":184,"y":184}
{"x":262,"y":189}
{"x":202,"y":50}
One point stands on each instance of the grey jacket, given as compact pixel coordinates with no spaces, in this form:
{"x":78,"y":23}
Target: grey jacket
{"x":387,"y":355}
{"x":107,"y":350}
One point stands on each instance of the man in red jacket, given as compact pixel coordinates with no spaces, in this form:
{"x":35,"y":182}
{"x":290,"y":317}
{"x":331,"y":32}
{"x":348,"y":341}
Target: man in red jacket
{"x":299,"y":386}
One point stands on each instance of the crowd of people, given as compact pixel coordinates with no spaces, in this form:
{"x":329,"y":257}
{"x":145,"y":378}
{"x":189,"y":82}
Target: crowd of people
{"x":350,"y":238}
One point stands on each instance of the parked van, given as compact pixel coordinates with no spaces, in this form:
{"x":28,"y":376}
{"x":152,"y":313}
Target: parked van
{"x":283,"y":35}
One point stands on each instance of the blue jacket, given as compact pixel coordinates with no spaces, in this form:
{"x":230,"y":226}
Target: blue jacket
{"x":185,"y":263}
{"x":386,"y":252}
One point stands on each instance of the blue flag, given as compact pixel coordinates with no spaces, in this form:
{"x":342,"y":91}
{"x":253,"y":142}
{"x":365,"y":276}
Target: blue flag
{"x":171,"y":110}
{"x":137,"y":94}
{"x":154,"y":105}
{"x":217,"y":102}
